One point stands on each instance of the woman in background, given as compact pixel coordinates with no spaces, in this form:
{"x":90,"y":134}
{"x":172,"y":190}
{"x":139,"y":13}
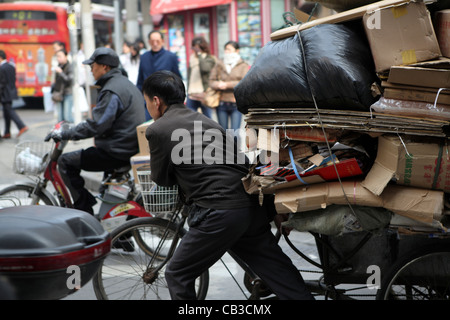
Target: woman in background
{"x":224,"y":77}
{"x":200,"y":65}
{"x":135,"y":59}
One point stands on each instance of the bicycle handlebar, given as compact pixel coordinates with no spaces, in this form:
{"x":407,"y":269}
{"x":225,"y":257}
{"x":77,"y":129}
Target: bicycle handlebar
{"x":56,"y":132}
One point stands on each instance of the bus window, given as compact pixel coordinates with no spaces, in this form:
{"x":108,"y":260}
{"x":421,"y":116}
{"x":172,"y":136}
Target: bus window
{"x":24,"y":15}
{"x":103,"y":32}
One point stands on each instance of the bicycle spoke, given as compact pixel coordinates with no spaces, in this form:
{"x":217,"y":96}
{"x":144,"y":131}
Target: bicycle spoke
{"x":139,"y":273}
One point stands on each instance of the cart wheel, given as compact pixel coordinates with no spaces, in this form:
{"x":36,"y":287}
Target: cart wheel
{"x":424,"y":275}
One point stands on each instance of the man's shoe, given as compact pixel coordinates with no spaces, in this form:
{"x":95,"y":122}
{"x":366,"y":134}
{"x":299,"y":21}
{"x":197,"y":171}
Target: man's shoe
{"x":6,"y":136}
{"x":22,"y":131}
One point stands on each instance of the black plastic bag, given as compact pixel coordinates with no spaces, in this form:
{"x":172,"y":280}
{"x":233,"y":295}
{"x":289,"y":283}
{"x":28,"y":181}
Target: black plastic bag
{"x":340,"y":71}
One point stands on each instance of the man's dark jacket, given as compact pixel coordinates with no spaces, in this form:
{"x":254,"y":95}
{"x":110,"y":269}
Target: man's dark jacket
{"x":119,"y":110}
{"x":8,"y":91}
{"x":204,"y":181}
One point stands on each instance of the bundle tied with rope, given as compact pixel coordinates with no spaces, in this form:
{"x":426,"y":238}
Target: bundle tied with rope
{"x":338,"y":74}
{"x":321,"y":80}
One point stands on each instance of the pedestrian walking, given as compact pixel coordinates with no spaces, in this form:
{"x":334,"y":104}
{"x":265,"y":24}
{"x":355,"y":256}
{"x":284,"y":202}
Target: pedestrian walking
{"x":222,"y":215}
{"x":157,"y":58}
{"x":119,"y":110}
{"x":224,"y":77}
{"x":201,"y":63}
{"x":8,"y":93}
{"x":62,"y":94}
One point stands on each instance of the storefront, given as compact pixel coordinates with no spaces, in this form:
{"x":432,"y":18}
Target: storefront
{"x":249,"y":22}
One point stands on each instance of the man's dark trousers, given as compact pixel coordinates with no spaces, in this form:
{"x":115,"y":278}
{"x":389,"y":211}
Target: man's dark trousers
{"x":10,"y":115}
{"x":247,"y":233}
{"x":92,"y":159}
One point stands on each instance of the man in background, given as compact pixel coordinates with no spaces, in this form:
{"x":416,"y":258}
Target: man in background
{"x":156,"y":59}
{"x":118,"y":111}
{"x":8,"y":93}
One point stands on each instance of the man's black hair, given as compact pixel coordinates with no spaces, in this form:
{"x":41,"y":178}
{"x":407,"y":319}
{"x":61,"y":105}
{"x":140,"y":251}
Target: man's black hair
{"x":60,"y":43}
{"x":166,"y":85}
{"x":2,"y":54}
{"x":63,"y":51}
{"x":155,"y":31}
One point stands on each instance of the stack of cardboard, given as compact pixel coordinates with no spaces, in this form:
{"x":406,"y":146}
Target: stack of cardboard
{"x":141,"y":159}
{"x":417,"y":90}
{"x":398,"y":159}
{"x":407,"y":56}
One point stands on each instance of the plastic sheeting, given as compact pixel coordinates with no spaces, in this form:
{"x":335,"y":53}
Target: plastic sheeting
{"x":339,"y":72}
{"x":337,"y":220}
{"x":412,"y":108}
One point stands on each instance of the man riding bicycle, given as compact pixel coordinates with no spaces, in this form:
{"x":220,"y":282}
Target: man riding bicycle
{"x":118,"y":111}
{"x":222,"y":215}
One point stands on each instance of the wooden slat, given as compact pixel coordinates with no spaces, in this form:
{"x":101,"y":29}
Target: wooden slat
{"x":349,"y":15}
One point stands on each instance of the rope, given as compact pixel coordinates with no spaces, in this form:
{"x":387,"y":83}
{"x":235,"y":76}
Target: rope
{"x":290,"y":19}
{"x":321,"y":122}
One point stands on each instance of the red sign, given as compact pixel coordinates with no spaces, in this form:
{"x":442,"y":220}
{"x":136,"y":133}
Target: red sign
{"x":168,"y":6}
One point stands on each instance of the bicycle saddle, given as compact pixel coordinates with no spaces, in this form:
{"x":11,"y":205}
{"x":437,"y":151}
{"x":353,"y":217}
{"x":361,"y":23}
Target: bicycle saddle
{"x":122,"y":170}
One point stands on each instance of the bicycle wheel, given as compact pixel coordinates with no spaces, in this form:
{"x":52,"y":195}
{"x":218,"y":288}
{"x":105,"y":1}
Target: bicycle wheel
{"x":147,"y":243}
{"x":21,"y":194}
{"x":425,"y":275}
{"x":131,"y":275}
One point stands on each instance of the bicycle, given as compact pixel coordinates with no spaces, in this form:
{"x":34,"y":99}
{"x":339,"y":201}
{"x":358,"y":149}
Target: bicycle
{"x":140,"y":274}
{"x":413,"y":267}
{"x":120,"y":199}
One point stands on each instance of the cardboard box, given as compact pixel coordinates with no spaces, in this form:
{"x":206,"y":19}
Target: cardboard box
{"x":144,"y":148}
{"x":411,"y":163}
{"x":319,"y":196}
{"x":417,"y":95}
{"x":418,"y":204}
{"x":300,"y":150}
{"x":349,"y":15}
{"x":386,"y":84}
{"x":138,"y":161}
{"x":420,"y":77}
{"x":302,"y":16}
{"x":442,"y":21}
{"x":260,"y":185}
{"x":401,"y":35}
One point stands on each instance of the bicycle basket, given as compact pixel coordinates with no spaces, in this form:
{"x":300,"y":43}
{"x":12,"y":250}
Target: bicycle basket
{"x":157,"y":199}
{"x":29,"y":157}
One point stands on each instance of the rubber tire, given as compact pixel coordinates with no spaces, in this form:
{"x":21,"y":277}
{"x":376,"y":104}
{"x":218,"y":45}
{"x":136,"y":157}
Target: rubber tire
{"x":132,"y":226}
{"x":9,"y":192}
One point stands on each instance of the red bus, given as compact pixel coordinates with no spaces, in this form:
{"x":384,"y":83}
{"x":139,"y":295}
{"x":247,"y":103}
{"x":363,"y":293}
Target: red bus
{"x":27,"y":32}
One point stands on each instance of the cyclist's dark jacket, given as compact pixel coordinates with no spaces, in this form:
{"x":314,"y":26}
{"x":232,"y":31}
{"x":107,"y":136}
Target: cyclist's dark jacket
{"x":213,"y":185}
{"x":119,"y":110}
